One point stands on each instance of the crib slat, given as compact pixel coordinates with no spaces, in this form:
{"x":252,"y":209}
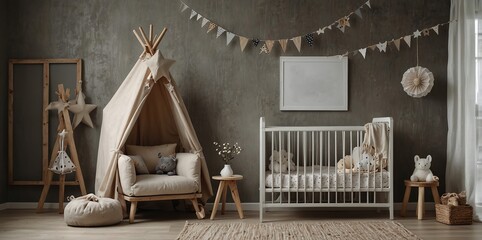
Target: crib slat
{"x":289,"y":167}
{"x":280,"y":170}
{"x":336,"y":176}
{"x":297,"y":164}
{"x":272,"y":168}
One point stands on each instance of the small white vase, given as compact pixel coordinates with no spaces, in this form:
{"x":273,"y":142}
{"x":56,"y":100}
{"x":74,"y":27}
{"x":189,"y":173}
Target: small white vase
{"x":227,"y":171}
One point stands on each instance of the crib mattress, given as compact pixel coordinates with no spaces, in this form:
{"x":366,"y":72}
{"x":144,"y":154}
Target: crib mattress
{"x":329,"y":177}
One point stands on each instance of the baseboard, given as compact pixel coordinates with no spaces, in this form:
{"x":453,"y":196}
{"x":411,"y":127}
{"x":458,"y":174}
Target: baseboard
{"x":250,"y":206}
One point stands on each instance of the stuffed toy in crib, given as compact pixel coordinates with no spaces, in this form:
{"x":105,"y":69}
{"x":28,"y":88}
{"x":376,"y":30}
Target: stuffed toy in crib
{"x":360,"y":161}
{"x":279,"y":162}
{"x":166,"y":165}
{"x":422,"y":171}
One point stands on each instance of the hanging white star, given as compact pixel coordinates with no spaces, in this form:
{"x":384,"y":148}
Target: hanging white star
{"x":81,"y":111}
{"x":417,"y":34}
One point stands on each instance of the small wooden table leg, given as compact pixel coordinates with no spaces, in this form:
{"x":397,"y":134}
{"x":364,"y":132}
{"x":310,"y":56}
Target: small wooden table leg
{"x":235,"y":194}
{"x":218,"y":197}
{"x":421,"y":201}
{"x":436,"y":197}
{"x":406,"y":197}
{"x":225,"y":190}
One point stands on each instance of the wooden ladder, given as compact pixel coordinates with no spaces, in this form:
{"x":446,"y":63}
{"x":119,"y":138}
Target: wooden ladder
{"x":64,"y":123}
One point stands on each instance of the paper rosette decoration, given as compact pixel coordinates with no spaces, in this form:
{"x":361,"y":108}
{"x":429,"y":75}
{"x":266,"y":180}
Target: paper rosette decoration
{"x":417,"y":81}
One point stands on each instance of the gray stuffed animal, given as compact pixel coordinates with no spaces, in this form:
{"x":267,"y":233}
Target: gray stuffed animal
{"x":166,"y":165}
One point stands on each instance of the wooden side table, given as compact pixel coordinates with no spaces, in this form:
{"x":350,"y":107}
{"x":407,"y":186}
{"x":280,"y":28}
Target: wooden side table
{"x":224,"y":182}
{"x":421,"y":196}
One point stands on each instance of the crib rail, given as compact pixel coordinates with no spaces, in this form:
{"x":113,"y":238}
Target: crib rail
{"x":314,"y":177}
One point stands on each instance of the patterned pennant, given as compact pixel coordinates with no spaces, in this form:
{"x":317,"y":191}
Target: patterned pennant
{"x":368,"y":4}
{"x":198,"y":17}
{"x":255,"y":42}
{"x":183,"y":7}
{"x":373,"y":47}
{"x":283,"y":43}
{"x":358,"y":13}
{"x":220,"y":31}
{"x":426,"y":32}
{"x":382,"y":47}
{"x":408,"y":39}
{"x":417,"y":34}
{"x":363,"y":51}
{"x":341,"y":27}
{"x":309,"y":39}
{"x":269,"y":44}
{"x":264,"y":49}
{"x":204,"y":21}
{"x":396,"y":42}
{"x":242,"y":43}
{"x":193,"y":14}
{"x":297,"y":42}
{"x":229,"y":37}
{"x":211,"y":27}
{"x":435,"y":29}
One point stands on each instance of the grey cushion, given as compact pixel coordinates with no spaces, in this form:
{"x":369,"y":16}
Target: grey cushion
{"x":90,"y":211}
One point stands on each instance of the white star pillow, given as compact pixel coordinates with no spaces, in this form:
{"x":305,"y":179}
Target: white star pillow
{"x":159,"y":66}
{"x":81,"y":111}
{"x":59,"y":105}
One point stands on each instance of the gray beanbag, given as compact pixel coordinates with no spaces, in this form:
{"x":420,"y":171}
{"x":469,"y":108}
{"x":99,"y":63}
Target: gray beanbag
{"x":90,"y":211}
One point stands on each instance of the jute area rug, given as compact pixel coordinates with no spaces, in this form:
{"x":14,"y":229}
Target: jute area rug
{"x":372,"y":230}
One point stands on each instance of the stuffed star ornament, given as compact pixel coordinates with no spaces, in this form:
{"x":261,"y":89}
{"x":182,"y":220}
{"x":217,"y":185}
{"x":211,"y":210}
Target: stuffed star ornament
{"x":59,"y":105}
{"x":159,"y":66}
{"x":81,"y":111}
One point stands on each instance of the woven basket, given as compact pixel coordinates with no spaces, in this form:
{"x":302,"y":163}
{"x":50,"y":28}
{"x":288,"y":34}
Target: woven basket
{"x":453,"y":215}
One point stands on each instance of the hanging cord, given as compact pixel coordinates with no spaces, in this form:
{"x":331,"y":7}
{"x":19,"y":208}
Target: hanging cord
{"x":417,"y":52}
{"x":62,"y":137}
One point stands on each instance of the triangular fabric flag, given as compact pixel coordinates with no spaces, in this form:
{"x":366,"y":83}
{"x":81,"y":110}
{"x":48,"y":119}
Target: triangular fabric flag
{"x":204,"y":21}
{"x":372,"y":47}
{"x":283,"y":43}
{"x":183,"y":7}
{"x":435,"y":29}
{"x":368,"y":4}
{"x":242,"y":42}
{"x":329,"y":27}
{"x":220,"y":31}
{"x":358,"y":13}
{"x":297,"y":42}
{"x":269,"y":44}
{"x":417,"y":34}
{"x":397,"y":43}
{"x":211,"y":27}
{"x":408,"y":39}
{"x":193,"y":14}
{"x":198,"y":17}
{"x":382,"y":47}
{"x":363,"y":51}
{"x":229,"y":37}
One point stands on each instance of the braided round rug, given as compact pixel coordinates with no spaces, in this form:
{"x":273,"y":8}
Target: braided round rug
{"x":372,"y":230}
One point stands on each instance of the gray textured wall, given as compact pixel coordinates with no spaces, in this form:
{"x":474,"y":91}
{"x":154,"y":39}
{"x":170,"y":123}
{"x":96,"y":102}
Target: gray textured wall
{"x":226,"y":91}
{"x":3,"y":101}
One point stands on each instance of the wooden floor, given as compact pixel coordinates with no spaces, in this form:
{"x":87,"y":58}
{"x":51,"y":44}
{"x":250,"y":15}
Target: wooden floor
{"x":155,"y":224}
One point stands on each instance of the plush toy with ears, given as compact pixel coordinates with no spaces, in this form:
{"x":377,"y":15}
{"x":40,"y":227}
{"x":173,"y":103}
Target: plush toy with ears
{"x":422,"y":171}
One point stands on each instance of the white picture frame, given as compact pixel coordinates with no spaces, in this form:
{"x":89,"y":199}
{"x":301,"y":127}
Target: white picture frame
{"x":314,"y":83}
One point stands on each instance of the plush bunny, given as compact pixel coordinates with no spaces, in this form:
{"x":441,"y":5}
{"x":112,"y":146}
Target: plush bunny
{"x":422,"y":171}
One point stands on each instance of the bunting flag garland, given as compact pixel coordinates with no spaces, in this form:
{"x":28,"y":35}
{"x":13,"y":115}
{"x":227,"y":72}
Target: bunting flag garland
{"x":229,"y":37}
{"x":264,"y":49}
{"x":363,"y":51}
{"x":283,"y":43}
{"x":435,"y":29}
{"x":382,"y":47}
{"x":269,"y":45}
{"x":204,"y":21}
{"x":220,"y":31}
{"x":397,"y":43}
{"x":243,"y":42}
{"x":297,"y":42}
{"x":426,"y":32}
{"x":341,"y":23}
{"x":417,"y":34}
{"x":407,"y":39}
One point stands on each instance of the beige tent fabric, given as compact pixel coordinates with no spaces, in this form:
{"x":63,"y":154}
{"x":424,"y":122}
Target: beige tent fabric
{"x":144,"y":112}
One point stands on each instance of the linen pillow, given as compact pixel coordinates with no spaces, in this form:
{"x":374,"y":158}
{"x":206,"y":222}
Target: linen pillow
{"x":139,"y":164}
{"x":150,"y":153}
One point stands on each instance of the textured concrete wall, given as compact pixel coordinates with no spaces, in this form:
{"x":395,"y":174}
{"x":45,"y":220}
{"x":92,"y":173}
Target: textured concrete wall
{"x":226,"y":91}
{"x":3,"y":101}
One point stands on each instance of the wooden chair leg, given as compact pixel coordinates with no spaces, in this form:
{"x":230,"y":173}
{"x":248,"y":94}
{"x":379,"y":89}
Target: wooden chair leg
{"x":235,"y":195}
{"x":199,"y":209}
{"x":133,"y":212}
{"x":218,"y":197}
{"x":406,"y":197}
{"x":223,"y":206}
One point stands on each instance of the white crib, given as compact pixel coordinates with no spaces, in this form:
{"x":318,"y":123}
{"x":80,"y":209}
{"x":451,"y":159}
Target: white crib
{"x":316,"y":182}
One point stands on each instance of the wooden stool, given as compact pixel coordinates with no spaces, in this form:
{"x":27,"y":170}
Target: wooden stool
{"x":222,"y":190}
{"x":421,"y":196}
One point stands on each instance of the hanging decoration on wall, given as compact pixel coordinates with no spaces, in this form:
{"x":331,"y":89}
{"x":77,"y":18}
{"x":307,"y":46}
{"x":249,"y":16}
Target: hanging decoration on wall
{"x":82,"y":111}
{"x":417,"y":81}
{"x":341,"y":23}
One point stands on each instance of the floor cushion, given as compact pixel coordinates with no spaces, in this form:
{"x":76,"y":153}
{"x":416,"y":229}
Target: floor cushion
{"x":90,"y":211}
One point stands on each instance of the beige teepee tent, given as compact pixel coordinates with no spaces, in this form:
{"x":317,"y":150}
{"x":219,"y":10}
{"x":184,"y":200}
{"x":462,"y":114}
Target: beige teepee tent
{"x":146,"y":110}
